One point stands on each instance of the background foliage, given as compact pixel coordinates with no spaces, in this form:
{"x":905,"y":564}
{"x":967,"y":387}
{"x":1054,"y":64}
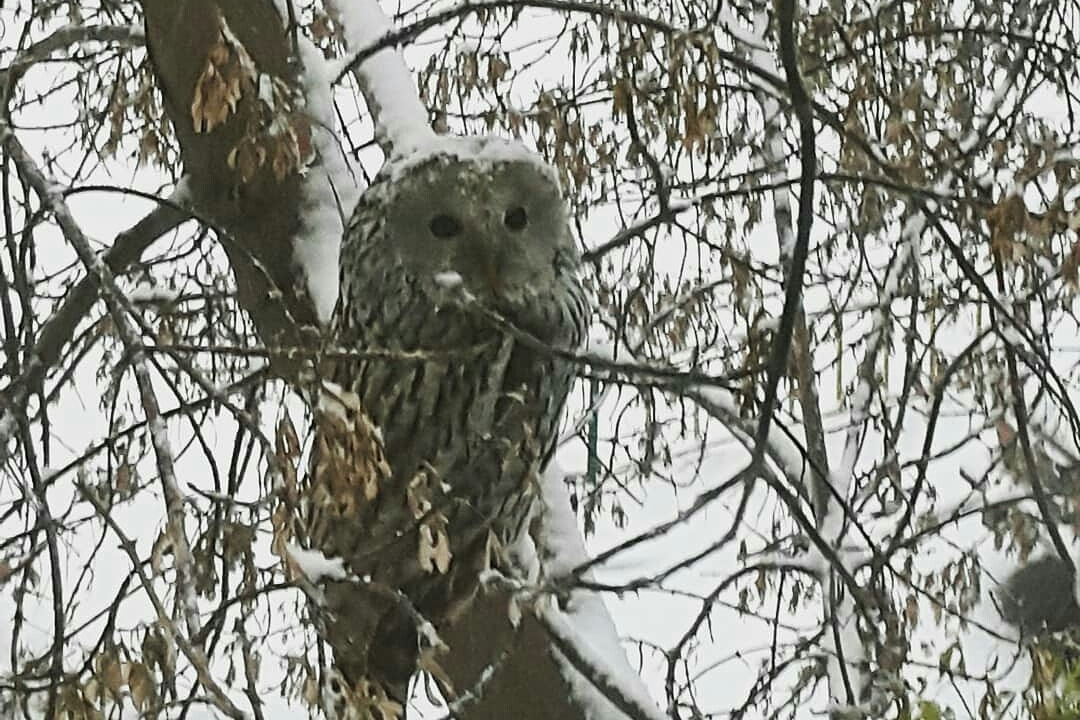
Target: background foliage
{"x":923,"y":432}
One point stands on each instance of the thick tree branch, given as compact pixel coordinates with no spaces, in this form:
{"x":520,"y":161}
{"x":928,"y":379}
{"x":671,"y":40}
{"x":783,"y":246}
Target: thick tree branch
{"x":258,"y":207}
{"x":796,"y":263}
{"x":51,"y":199}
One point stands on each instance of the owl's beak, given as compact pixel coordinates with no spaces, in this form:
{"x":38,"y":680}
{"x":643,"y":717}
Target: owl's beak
{"x":481,"y":251}
{"x":491,"y":264}
{"x":492,"y":274}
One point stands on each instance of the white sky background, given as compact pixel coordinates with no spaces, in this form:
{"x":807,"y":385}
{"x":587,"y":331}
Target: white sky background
{"x":731,"y":663}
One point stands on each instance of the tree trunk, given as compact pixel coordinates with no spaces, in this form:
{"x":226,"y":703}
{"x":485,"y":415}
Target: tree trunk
{"x":257,"y":218}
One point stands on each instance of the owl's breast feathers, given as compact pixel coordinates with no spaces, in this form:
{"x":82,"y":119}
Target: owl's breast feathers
{"x":468,"y":413}
{"x":465,"y":398}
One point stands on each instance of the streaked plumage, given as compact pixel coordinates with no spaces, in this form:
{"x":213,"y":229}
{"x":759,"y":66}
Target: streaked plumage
{"x":468,"y":413}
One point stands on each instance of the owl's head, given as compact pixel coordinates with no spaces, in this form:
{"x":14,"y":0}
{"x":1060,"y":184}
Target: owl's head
{"x":487,"y":210}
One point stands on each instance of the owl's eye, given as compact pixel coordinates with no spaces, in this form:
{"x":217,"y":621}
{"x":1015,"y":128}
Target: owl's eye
{"x":515,"y":218}
{"x":444,"y":226}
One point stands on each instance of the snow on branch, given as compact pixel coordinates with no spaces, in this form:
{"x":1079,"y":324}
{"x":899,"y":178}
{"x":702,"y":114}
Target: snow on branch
{"x":590,"y":657}
{"x":314,"y":565}
{"x":401,"y":125}
{"x":328,"y":190}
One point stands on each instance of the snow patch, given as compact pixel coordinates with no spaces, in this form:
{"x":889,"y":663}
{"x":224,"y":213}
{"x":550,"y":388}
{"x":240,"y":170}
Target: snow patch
{"x":586,"y":621}
{"x":485,"y":150}
{"x":328,"y":191}
{"x":588,"y":633}
{"x":315,"y":566}
{"x":448,"y":279}
{"x":147,"y":293}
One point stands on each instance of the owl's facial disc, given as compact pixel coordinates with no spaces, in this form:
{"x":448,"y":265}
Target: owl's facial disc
{"x":501,"y":227}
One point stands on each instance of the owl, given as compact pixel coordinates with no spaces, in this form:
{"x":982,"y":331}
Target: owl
{"x":460,"y":295}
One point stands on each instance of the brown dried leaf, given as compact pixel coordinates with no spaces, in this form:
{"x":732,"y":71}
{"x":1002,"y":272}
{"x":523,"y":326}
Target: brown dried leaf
{"x":110,"y":672}
{"x":911,"y":611}
{"x":426,"y":662}
{"x":162,"y":546}
{"x":142,"y":685}
{"x":228,"y":70}
{"x":496,"y":69}
{"x":73,"y":705}
{"x":246,"y":158}
{"x":350,"y":455}
{"x":1070,"y":268}
{"x":378,"y":704}
{"x":419,"y":493}
{"x":620,"y":97}
{"x":93,"y":691}
{"x":237,"y":540}
{"x":284,"y":156}
{"x":122,"y":479}
{"x":321,"y":27}
{"x":301,"y":131}
{"x":310,"y":690}
{"x":282,"y":531}
{"x":154,"y":651}
{"x":1007,"y":219}
{"x":433,"y":552}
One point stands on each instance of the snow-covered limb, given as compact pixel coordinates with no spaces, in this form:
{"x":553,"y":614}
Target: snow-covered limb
{"x":153,"y":294}
{"x":595,"y":682}
{"x":607,"y":686}
{"x":328,"y":190}
{"x":401,"y":125}
{"x":906,"y":254}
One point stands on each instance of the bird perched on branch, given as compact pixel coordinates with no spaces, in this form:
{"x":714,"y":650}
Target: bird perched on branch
{"x":459,"y":289}
{"x":1041,"y":595}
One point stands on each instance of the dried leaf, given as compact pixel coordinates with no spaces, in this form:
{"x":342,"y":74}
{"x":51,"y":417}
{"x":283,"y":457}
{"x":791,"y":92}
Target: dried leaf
{"x":378,"y":704}
{"x":110,"y":672}
{"x":227,"y":71}
{"x":142,"y":685}
{"x":426,"y":662}
{"x":154,"y":651}
{"x":162,"y":546}
{"x":237,"y":540}
{"x":433,"y":552}
{"x":1007,"y":219}
{"x":282,"y":530}
{"x":122,"y":479}
{"x":496,"y":69}
{"x":310,"y":691}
